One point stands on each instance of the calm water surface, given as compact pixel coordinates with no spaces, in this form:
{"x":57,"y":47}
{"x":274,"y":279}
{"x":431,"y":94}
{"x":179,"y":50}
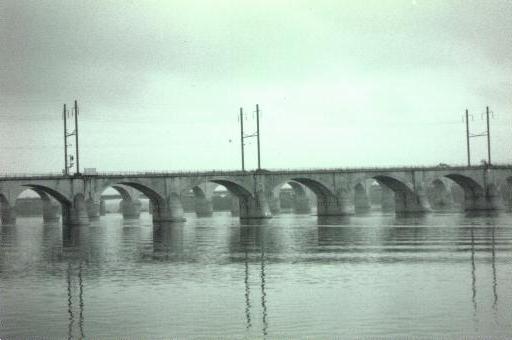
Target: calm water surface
{"x":442,"y":275}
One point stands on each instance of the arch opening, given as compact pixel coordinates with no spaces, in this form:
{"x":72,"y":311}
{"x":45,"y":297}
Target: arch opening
{"x":406,"y":200}
{"x":439,"y":196}
{"x":474,"y":195}
{"x":381,"y":196}
{"x":234,"y":188}
{"x":470,"y":186}
{"x":157,"y":203}
{"x":328,"y":203}
{"x":121,"y":199}
{"x":291,"y":196}
{"x":34,"y":202}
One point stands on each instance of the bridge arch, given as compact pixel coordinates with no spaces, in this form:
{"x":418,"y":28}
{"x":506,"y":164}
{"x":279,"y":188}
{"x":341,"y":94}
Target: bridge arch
{"x":201,"y":203}
{"x":328,"y":202}
{"x":159,"y":206}
{"x":130,"y":205}
{"x":233,"y":187}
{"x":474,"y":193}
{"x":406,"y":200}
{"x":438,"y":194}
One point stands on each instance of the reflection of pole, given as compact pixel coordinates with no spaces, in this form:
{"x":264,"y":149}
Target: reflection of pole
{"x":247,"y":292}
{"x":263,"y":294}
{"x":70,"y":306}
{"x":494,"y":281}
{"x":473,"y":276}
{"x":242,"y":137}
{"x":258,"y":133}
{"x":467,"y":138}
{"x":81,"y":302}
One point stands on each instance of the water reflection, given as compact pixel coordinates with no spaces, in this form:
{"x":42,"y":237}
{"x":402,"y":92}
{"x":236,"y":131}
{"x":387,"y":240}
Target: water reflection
{"x":168,"y":240}
{"x":263,"y":293}
{"x":333,"y":220}
{"x":247,"y":293}
{"x":253,"y":239}
{"x":263,"y":269}
{"x":71,"y":313}
{"x":495,"y":282}
{"x":473,"y":272}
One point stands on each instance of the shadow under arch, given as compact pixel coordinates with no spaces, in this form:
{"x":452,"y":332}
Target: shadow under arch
{"x":406,"y":200}
{"x":236,"y":189}
{"x":125,"y":195}
{"x":66,"y":204}
{"x":159,"y":205}
{"x":474,"y":193}
{"x":43,"y":190}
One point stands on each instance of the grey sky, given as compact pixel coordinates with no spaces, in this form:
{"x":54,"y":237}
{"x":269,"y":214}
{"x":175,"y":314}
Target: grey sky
{"x":340,"y":83}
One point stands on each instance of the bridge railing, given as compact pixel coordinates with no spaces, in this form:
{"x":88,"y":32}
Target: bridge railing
{"x":181,"y":173}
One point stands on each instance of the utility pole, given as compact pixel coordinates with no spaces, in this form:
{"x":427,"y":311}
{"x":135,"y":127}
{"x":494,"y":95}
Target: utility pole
{"x":242,"y":137}
{"x":488,"y":137}
{"x":467,"y":138}
{"x":66,"y":172}
{"x":258,"y":133}
{"x":76,"y":139}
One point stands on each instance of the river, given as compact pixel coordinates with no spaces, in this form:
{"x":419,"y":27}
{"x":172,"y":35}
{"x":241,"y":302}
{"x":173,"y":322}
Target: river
{"x":438,"y":275}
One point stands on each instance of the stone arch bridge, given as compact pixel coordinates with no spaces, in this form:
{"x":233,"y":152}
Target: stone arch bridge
{"x":337,"y":191}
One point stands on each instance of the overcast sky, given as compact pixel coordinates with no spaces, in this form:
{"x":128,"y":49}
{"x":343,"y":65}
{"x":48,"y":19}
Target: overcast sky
{"x":339,"y":83}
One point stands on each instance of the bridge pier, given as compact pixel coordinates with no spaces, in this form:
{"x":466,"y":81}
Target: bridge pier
{"x":8,"y":213}
{"x":235,"y":206}
{"x":330,"y":205}
{"x":76,"y":213}
{"x":50,"y":211}
{"x":301,"y":205}
{"x":361,"y":203}
{"x":488,"y":201}
{"x":103,"y":208}
{"x":408,"y":203}
{"x":169,"y":210}
{"x":93,"y":209}
{"x":274,"y":204}
{"x":130,"y":208}
{"x":387,"y":199}
{"x":203,"y":207}
{"x":254,"y":207}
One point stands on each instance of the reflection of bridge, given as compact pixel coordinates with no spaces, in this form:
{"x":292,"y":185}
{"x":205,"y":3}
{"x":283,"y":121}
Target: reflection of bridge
{"x":337,"y":191}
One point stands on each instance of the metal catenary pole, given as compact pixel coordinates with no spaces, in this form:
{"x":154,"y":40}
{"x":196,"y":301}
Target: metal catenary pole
{"x":242,"y":137}
{"x":467,"y":138}
{"x":65,"y":142}
{"x":258,"y":134}
{"x":488,"y":137}
{"x":76,"y":139}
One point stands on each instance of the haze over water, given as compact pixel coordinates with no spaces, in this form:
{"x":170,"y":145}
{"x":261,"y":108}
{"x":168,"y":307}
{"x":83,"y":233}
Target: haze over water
{"x":441,"y":275}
